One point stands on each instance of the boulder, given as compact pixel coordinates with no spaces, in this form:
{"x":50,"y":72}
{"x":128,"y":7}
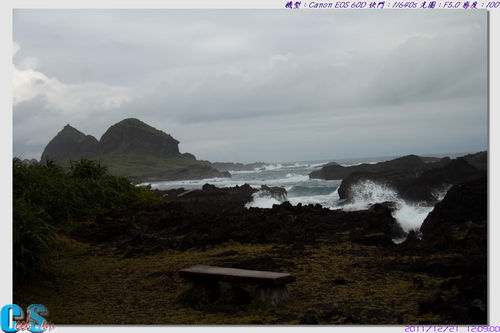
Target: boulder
{"x":278,"y":193}
{"x":460,"y":219}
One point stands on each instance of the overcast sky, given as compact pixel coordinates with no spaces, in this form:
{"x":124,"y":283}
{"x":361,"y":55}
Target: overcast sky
{"x":256,"y":85}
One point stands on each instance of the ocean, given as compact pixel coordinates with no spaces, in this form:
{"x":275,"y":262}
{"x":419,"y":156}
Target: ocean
{"x":294,"y":177}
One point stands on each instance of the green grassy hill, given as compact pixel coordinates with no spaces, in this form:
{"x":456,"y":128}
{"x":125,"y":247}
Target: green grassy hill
{"x":130,"y":148}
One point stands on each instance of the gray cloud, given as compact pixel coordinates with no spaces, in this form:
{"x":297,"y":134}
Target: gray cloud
{"x":245,"y":85}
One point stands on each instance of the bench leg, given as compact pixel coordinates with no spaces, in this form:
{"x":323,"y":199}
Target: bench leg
{"x":274,"y":295}
{"x":210,"y":290}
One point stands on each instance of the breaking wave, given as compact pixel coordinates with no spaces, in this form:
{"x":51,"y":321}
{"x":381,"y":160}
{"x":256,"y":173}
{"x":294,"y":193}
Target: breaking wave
{"x":409,"y":215}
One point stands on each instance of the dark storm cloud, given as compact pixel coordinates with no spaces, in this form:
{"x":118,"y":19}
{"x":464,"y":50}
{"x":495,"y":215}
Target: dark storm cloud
{"x":257,"y":85}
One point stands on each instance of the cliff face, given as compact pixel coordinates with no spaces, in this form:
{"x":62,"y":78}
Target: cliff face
{"x":70,"y":144}
{"x":133,"y":136}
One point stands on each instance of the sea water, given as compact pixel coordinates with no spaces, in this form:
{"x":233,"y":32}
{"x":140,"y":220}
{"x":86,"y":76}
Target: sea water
{"x":294,"y":177}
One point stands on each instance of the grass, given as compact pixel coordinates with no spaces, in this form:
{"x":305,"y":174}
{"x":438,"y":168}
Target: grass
{"x":138,"y":165}
{"x":99,"y":286}
{"x":48,"y":199}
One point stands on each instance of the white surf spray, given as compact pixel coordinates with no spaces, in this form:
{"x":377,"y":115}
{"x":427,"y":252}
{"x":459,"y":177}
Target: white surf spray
{"x":409,"y":215}
{"x":326,"y":200}
{"x":262,"y":199}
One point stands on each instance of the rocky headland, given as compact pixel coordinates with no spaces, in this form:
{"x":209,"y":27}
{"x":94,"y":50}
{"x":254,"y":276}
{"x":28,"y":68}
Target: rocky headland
{"x":334,"y":170}
{"x":413,"y":178}
{"x":230,"y":166}
{"x":131,"y":148}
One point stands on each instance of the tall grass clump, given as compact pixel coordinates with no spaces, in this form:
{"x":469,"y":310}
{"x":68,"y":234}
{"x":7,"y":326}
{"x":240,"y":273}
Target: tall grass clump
{"x":48,"y":198}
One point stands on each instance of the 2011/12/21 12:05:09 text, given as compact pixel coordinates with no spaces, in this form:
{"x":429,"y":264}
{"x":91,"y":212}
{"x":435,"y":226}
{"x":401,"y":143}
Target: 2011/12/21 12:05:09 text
{"x":451,"y":329}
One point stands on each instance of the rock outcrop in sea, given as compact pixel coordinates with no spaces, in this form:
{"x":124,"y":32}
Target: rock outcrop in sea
{"x":334,"y":170}
{"x":413,"y":178}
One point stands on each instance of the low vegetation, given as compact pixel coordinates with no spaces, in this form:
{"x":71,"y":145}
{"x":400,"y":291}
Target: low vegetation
{"x":48,"y":198}
{"x":336,"y":285}
{"x":137,"y":165}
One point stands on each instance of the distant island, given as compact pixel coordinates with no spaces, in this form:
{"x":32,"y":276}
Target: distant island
{"x":131,"y":148}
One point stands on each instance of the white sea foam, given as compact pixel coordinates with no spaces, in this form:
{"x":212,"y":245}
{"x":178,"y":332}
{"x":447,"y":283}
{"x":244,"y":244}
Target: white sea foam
{"x":242,"y":172}
{"x":289,"y":180}
{"x":367,"y":193}
{"x":326,"y":200}
{"x":409,"y":216}
{"x":355,"y":164}
{"x":271,"y":167}
{"x":198,"y":183}
{"x":262,"y":199}
{"x":316,"y":165}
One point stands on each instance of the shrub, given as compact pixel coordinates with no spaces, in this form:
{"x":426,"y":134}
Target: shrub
{"x":48,"y":198}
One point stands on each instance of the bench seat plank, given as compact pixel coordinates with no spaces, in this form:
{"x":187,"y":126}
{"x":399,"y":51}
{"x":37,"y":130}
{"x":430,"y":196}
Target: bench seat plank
{"x":236,"y":275}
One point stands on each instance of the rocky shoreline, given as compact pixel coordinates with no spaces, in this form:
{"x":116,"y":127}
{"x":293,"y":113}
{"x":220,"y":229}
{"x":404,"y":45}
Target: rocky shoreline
{"x":348,"y":268}
{"x":415,"y":179}
{"x":452,"y":246}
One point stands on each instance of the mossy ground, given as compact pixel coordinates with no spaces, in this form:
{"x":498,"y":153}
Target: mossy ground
{"x":343,"y":283}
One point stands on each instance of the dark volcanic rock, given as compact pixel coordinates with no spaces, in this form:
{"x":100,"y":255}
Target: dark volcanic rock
{"x":395,"y":179}
{"x":335,"y":171}
{"x":459,"y":220}
{"x":478,"y":160}
{"x":70,"y":144}
{"x":212,"y":216}
{"x":133,"y":136}
{"x":455,"y":233}
{"x":416,"y":185}
{"x":278,"y":193}
{"x":211,"y":198}
{"x":394,"y":229}
{"x":411,"y":242}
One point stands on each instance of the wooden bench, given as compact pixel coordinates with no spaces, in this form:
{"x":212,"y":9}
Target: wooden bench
{"x":271,"y":286}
